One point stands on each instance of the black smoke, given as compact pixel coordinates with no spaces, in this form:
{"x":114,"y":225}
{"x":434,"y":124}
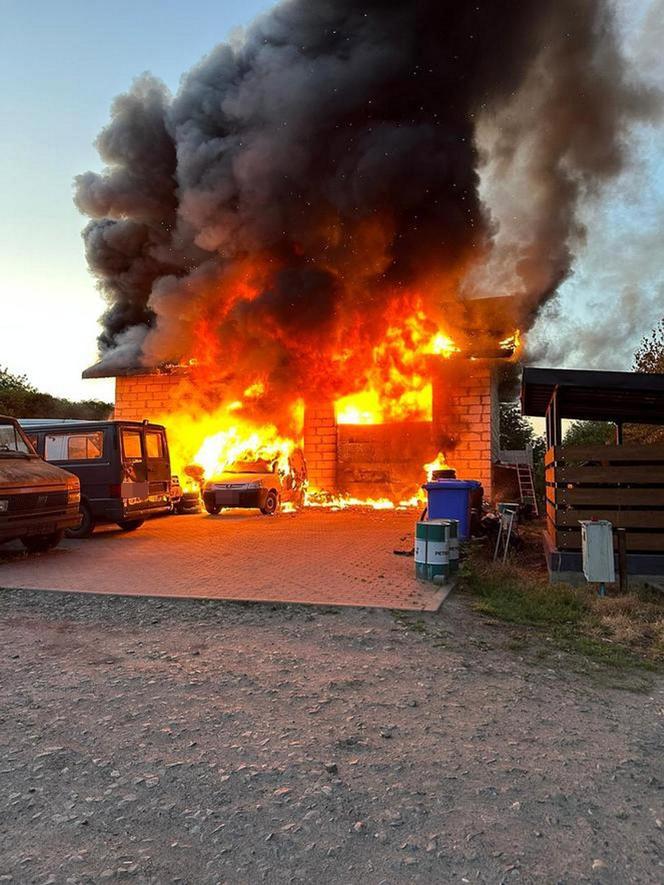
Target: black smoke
{"x":343,"y":154}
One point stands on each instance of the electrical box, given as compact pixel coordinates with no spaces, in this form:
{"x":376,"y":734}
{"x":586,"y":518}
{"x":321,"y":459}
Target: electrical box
{"x":597,"y":549}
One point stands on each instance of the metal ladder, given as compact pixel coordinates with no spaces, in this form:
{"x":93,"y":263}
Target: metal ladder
{"x":524,"y":474}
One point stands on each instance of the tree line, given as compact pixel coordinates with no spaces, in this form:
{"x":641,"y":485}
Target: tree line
{"x":20,"y":399}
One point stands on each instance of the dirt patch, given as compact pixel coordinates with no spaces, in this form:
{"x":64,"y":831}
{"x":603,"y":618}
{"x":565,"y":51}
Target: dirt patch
{"x":184,"y":741}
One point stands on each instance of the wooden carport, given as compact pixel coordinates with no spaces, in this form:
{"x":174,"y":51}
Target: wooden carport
{"x":621,"y":483}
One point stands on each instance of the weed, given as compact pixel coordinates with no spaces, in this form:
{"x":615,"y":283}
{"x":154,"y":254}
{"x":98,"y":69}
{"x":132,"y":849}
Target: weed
{"x":612,"y":633}
{"x":503,"y":592}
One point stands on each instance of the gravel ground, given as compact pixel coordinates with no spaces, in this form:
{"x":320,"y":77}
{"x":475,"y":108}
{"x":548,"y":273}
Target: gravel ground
{"x":195,"y":742}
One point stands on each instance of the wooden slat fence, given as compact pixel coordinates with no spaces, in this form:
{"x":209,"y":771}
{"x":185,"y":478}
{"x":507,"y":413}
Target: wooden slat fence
{"x":624,"y":484}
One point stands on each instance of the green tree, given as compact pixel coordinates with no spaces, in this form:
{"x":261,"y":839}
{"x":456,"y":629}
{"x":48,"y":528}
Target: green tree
{"x":19,"y":398}
{"x":649,"y":357}
{"x":589,"y":433}
{"x":516,"y":432}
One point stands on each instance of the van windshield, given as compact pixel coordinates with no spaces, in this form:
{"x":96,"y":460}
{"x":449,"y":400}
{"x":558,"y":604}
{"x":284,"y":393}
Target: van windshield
{"x":259,"y":466}
{"x":12,"y":442}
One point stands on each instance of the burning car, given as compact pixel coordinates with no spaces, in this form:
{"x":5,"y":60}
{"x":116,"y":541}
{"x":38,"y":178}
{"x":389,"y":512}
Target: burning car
{"x":263,"y":483}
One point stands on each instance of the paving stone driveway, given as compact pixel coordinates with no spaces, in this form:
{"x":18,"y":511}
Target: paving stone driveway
{"x":315,"y":556}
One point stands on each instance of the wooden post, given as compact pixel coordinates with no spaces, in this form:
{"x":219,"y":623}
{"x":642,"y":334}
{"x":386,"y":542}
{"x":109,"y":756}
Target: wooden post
{"x":553,"y":422}
{"x":619,"y":433}
{"x":622,"y":559}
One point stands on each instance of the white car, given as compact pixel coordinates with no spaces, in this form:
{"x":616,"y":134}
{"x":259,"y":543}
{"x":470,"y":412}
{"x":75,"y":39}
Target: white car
{"x":257,"y":483}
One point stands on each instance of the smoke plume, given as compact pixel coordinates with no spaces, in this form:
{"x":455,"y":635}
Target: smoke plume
{"x":311,"y":183}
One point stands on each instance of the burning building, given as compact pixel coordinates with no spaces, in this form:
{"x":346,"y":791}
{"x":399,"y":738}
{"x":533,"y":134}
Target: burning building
{"x":369,"y":446}
{"x":304,"y":244}
{"x":347,"y":451}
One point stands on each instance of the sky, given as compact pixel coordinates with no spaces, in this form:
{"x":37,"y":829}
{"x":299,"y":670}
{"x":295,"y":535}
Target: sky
{"x":63,"y":62}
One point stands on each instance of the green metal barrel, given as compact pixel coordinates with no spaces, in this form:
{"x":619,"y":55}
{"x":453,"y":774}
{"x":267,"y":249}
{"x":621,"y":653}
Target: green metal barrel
{"x":432,"y":553}
{"x":421,"y":538}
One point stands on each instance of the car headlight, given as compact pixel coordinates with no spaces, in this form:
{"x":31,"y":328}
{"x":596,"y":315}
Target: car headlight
{"x":74,"y":494}
{"x":4,"y":505}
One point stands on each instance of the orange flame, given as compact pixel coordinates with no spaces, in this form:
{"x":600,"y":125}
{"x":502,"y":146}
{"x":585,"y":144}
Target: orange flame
{"x":439,"y":463}
{"x":253,"y":422}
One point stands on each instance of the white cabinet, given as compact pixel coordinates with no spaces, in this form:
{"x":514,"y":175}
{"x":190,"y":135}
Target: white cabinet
{"x":597,"y":549}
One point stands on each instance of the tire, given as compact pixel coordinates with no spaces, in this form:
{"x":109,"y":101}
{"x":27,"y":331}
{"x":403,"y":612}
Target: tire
{"x":42,"y":543}
{"x":87,"y":526}
{"x":213,"y":509}
{"x":130,"y":525}
{"x":271,"y":503}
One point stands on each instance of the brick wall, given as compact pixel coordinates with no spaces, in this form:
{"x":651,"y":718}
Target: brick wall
{"x":144,"y":396}
{"x":465,"y":417}
{"x":383,"y":460}
{"x":320,"y":445}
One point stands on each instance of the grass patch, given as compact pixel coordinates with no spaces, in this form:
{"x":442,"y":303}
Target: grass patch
{"x":504,"y":594}
{"x":616,"y":633}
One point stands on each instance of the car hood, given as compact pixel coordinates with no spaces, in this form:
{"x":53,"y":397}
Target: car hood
{"x":240,"y":478}
{"x":32,"y":473}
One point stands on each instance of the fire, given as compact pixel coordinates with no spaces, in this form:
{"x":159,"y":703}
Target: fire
{"x":317,"y":498}
{"x":397,"y":384}
{"x":203,"y":445}
{"x":439,"y":463}
{"x":512,"y":343}
{"x":227,"y":446}
{"x":389,"y":382}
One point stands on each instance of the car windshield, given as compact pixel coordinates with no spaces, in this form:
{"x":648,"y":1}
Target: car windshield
{"x":259,"y":466}
{"x":12,"y":441}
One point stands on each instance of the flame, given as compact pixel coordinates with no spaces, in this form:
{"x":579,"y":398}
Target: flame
{"x":319,"y":498}
{"x":441,"y":344}
{"x":222,"y":449}
{"x":247,"y":420}
{"x":512,"y":343}
{"x":398,"y":386}
{"x":439,"y":463}
{"x":203,"y":445}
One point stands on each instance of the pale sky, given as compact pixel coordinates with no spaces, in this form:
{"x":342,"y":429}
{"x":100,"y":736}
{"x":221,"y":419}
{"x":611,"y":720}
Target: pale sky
{"x":62,"y":63}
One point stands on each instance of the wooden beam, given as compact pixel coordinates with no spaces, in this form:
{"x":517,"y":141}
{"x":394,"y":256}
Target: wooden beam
{"x":644,"y":454}
{"x":629,"y":519}
{"x":604,"y":498}
{"x":614,"y":474}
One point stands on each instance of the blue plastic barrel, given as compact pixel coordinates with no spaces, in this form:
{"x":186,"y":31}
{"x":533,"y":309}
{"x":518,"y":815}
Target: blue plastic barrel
{"x":450,"y":499}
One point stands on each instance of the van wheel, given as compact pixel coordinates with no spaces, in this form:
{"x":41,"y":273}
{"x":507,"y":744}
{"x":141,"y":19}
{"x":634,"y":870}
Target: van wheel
{"x":87,"y":526}
{"x":271,"y":503}
{"x":130,"y":525}
{"x":42,"y":543}
{"x":213,"y":509}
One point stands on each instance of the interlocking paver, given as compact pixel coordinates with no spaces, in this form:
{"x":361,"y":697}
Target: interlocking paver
{"x":314,"y":557}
